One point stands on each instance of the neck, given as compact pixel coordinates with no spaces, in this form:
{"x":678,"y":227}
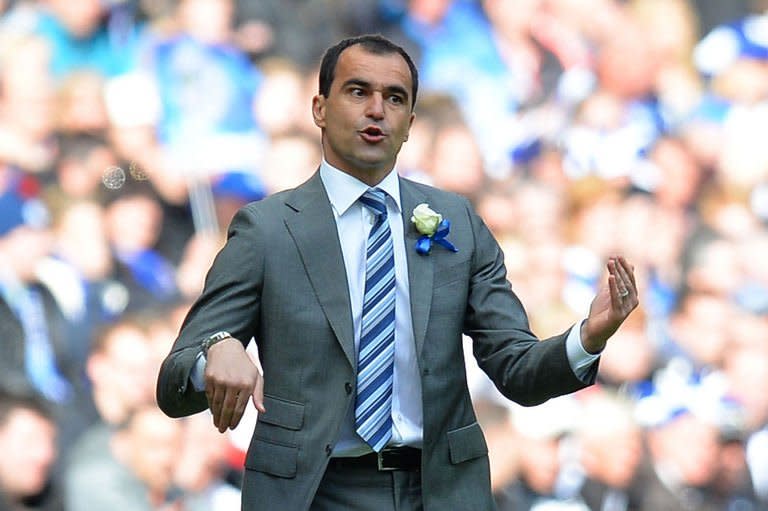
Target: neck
{"x":371,"y":177}
{"x":110,"y":409}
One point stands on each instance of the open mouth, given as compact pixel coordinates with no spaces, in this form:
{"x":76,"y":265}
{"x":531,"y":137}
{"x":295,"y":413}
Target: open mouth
{"x":372,"y":134}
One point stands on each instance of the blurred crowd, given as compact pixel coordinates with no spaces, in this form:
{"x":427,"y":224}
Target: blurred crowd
{"x":132,"y":130}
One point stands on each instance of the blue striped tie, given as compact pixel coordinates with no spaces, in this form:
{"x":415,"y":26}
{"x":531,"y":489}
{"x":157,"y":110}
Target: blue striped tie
{"x":375,"y":366}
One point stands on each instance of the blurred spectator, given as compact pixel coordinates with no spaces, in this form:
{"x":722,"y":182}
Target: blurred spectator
{"x":121,"y":370}
{"x":736,"y":36}
{"x":457,"y":164}
{"x":268,"y":28}
{"x":132,"y":130}
{"x":684,"y":452}
{"x":79,"y":273}
{"x":733,"y":486}
{"x":543,"y":431}
{"x":202,"y":469}
{"x":714,"y":12}
{"x":28,"y":443}
{"x":134,"y":220}
{"x":435,"y":112}
{"x":679,"y":177}
{"x":503,"y":445}
{"x":691,"y":426}
{"x":699,"y":330}
{"x":207,"y":90}
{"x":84,"y":161}
{"x":198,"y":256}
{"x":80,"y":104}
{"x":671,"y":27}
{"x":88,"y":34}
{"x":26,"y":105}
{"x":120,"y":373}
{"x":134,"y":473}
{"x":632,"y":357}
{"x":282,"y":99}
{"x":40,"y":356}
{"x":289,"y":161}
{"x":133,"y":109}
{"x":610,"y":446}
{"x":746,"y":368}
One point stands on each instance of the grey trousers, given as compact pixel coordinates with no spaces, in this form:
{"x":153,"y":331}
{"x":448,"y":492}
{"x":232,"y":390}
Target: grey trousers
{"x":347,"y":489}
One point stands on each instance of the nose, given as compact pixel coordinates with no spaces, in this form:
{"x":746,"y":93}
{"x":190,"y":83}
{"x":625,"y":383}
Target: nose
{"x":375,"y":106}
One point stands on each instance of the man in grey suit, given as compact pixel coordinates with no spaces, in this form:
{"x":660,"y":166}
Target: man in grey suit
{"x":358,"y":314}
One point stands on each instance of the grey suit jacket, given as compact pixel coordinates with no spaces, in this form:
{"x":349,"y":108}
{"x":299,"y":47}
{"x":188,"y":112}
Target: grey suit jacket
{"x":281,"y":279}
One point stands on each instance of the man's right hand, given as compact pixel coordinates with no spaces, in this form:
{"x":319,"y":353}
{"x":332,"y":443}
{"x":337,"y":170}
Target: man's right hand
{"x":231,"y":378}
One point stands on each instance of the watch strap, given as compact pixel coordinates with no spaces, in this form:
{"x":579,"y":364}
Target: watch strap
{"x":213,"y":339}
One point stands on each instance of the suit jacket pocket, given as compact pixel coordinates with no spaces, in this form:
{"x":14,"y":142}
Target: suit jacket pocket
{"x":278,"y":460}
{"x":283,"y":413}
{"x":466,"y":443}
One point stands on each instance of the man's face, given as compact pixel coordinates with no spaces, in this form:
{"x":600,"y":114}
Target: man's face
{"x":367,"y":114}
{"x":27,"y":442}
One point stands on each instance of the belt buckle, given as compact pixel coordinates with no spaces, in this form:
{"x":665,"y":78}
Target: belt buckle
{"x":380,"y":463}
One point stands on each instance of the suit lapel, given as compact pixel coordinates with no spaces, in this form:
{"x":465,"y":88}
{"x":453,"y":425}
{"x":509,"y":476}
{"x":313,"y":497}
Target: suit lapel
{"x":420,"y":268}
{"x":313,"y":229}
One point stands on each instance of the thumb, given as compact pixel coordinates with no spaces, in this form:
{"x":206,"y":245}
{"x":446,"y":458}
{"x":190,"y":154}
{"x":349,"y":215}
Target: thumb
{"x":257,"y":396}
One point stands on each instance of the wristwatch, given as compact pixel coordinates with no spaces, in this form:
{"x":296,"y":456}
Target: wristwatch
{"x":213,"y":339}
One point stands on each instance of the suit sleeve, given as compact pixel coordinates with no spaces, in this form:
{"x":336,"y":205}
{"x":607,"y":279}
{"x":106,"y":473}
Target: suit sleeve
{"x":230,"y":301}
{"x":523,"y":368}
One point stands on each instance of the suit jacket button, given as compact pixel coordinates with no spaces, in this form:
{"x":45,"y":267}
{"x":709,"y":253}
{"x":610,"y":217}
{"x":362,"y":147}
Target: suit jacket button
{"x":328,"y":449}
{"x":348,"y":387}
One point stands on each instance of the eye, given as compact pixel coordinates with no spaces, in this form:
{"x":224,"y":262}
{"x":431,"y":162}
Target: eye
{"x":357,"y":92}
{"x":397,"y":99}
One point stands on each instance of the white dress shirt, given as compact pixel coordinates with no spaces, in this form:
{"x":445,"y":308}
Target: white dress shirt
{"x":353,"y":223}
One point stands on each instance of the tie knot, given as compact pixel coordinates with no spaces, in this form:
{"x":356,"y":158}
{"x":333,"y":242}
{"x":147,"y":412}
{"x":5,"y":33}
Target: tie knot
{"x":375,"y":199}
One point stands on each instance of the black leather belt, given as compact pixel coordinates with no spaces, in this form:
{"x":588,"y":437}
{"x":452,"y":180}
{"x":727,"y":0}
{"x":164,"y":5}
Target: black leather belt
{"x":395,"y":458}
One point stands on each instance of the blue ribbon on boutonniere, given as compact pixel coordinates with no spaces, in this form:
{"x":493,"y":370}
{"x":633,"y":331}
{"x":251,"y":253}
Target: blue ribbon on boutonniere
{"x":424,"y":243}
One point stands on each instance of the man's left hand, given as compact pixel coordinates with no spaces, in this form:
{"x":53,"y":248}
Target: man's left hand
{"x":611,"y":306}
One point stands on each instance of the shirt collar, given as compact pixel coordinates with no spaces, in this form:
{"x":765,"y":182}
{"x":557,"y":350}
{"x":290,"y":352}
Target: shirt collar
{"x":343,"y":190}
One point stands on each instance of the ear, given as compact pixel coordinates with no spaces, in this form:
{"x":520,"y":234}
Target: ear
{"x":94,"y":367}
{"x":410,"y":123}
{"x":318,"y":110}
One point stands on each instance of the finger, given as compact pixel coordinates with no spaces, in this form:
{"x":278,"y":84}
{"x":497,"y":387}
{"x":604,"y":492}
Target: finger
{"x":242,"y":401}
{"x":626,"y":281}
{"x":228,"y":408}
{"x":257,"y":396}
{"x":629,"y":283}
{"x":623,"y":282}
{"x":615,"y":272}
{"x":215,"y":402}
{"x":614,"y":292}
{"x":628,"y":270}
{"x":209,"y":396}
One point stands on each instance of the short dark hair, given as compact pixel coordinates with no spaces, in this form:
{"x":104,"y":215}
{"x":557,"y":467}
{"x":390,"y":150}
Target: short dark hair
{"x":373,"y":43}
{"x":12,"y":399}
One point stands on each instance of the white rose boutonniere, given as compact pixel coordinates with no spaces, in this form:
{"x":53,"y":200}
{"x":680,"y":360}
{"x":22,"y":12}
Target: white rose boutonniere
{"x":432,"y":227}
{"x":426,"y":220}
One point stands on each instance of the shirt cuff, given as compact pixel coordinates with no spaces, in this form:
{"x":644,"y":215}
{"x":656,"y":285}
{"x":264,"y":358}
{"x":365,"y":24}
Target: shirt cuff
{"x":579,"y":358}
{"x":196,"y":376}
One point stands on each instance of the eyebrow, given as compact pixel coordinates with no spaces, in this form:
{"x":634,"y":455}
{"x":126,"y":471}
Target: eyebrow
{"x":392,"y":89}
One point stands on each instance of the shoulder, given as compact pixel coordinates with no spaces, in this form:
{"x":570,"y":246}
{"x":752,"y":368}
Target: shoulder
{"x":432,"y":192}
{"x":449,"y":204}
{"x":272,"y":211}
{"x":277,"y":205}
